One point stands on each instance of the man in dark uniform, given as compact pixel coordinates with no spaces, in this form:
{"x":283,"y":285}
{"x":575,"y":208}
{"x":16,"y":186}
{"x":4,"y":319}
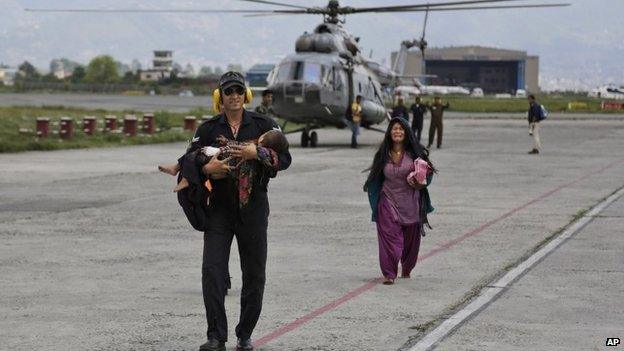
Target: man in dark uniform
{"x":418,"y":111}
{"x":265,"y":106}
{"x":400,"y":110}
{"x":437,"y":111}
{"x":227,"y":218}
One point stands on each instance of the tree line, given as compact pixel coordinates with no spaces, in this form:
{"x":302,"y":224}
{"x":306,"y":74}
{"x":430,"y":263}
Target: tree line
{"x":105,"y":69}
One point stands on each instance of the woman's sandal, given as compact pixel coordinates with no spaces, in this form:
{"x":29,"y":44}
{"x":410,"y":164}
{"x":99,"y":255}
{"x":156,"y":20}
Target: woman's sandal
{"x":388,"y":281}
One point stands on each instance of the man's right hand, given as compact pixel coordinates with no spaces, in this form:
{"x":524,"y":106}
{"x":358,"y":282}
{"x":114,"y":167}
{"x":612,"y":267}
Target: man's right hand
{"x":217,"y":169}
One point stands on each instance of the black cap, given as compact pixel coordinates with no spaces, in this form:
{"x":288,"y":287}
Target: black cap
{"x":230,"y":79}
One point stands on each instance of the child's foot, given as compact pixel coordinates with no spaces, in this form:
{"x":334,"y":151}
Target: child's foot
{"x":169,"y":169}
{"x":181,"y":185}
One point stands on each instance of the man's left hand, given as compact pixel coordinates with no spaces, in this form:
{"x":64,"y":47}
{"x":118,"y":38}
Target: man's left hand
{"x":245,"y":152}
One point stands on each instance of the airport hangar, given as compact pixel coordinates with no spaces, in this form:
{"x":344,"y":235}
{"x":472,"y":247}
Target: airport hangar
{"x":491,"y":69}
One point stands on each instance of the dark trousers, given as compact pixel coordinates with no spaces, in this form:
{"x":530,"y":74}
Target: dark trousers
{"x":252,"y":247}
{"x":436,"y":125}
{"x":417,"y":126}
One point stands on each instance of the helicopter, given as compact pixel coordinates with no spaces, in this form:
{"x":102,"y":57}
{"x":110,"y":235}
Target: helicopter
{"x":315,"y":86}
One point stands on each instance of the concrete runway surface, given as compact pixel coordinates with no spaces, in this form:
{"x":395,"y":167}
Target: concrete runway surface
{"x":96,"y":254}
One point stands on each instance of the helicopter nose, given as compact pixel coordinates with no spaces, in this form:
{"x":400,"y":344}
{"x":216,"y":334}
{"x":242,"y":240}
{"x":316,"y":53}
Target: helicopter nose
{"x":296,"y":94}
{"x":296,"y":99}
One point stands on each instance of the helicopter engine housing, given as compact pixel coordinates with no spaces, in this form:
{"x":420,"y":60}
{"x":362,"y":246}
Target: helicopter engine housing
{"x":372,"y":112}
{"x":322,"y":43}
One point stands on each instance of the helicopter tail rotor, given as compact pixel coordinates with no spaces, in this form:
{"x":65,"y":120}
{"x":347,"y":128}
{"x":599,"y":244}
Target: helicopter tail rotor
{"x":422,"y":43}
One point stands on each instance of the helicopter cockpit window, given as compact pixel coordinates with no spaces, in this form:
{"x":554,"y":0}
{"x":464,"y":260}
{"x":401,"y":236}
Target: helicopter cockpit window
{"x":282,"y":73}
{"x":312,"y":72}
{"x":328,"y":77}
{"x":339,"y":79}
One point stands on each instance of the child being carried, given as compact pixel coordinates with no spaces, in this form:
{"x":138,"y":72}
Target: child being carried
{"x":270,"y":144}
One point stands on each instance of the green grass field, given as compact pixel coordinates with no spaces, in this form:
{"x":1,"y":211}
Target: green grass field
{"x":554,"y":103}
{"x":12,"y":119}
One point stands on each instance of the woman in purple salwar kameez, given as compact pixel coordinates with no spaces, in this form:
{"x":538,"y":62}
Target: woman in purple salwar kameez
{"x":399,"y":205}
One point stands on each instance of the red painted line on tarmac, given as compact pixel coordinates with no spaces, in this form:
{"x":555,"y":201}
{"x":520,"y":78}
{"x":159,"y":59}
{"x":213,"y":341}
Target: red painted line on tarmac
{"x":442,"y":247}
{"x":330,"y":306}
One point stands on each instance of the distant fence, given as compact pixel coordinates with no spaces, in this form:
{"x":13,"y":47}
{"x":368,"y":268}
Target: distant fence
{"x":91,"y":125}
{"x":612,"y":105}
{"x":200,"y":88}
{"x":95,"y":88}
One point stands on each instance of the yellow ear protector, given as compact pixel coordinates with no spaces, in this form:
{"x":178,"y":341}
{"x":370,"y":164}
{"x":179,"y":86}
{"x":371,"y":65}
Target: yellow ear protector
{"x":216,"y":98}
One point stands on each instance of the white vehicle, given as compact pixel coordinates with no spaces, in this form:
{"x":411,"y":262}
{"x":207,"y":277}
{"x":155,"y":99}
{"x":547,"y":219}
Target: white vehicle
{"x":443,"y":89}
{"x":407,"y":91}
{"x":521,"y":93}
{"x":186,"y":93}
{"x":608,"y":92}
{"x":477,"y":92}
{"x":420,"y":89}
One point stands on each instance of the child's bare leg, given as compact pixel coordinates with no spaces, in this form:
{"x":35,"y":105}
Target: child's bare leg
{"x":172,"y":169}
{"x":181,"y":185}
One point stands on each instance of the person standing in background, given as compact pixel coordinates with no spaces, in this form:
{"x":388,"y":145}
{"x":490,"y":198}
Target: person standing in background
{"x":418,"y":112}
{"x":437,"y":111}
{"x":400,"y":110}
{"x":356,"y":119}
{"x":535,"y":115}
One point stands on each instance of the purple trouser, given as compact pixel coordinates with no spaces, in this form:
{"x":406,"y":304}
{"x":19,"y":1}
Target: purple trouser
{"x":396,"y":241}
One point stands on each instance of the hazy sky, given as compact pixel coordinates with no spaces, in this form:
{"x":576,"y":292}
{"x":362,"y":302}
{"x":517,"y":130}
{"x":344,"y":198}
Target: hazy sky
{"x":579,"y":46}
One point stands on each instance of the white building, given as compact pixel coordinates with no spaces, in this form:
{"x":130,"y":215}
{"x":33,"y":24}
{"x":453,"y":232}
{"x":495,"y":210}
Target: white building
{"x":162,"y":67}
{"x":7,"y":75}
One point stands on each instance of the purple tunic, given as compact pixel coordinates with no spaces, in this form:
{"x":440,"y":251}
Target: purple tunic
{"x":402,"y":198}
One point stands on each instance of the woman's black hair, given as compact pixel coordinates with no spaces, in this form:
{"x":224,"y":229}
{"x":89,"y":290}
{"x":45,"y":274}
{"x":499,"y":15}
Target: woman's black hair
{"x":412,"y":147}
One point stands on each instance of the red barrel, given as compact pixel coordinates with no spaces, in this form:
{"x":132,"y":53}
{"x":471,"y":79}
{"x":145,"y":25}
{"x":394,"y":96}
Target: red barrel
{"x":89,"y":124}
{"x":612,"y":105}
{"x":148,"y":123}
{"x":43,"y":127}
{"x":190,"y":123}
{"x":130,"y":125}
{"x":110,"y":123}
{"x":66,"y":128}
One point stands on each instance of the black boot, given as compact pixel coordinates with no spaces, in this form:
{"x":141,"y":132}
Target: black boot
{"x":244,"y":345}
{"x":213,"y":345}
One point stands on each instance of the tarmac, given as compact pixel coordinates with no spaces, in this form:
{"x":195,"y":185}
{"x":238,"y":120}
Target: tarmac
{"x":96,"y":253}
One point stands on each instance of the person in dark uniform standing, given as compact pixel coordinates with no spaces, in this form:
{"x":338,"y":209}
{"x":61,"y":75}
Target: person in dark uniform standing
{"x":229,"y":216}
{"x":400,"y":110}
{"x":437,"y":111}
{"x":418,"y":111}
{"x":265,"y":107}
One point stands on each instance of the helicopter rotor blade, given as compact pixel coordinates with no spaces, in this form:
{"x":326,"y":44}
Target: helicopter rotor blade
{"x":275,"y":3}
{"x":274,"y":14}
{"x":423,"y":6}
{"x":144,"y":10}
{"x":436,"y":6}
{"x":422,"y":37}
{"x":460,"y":8}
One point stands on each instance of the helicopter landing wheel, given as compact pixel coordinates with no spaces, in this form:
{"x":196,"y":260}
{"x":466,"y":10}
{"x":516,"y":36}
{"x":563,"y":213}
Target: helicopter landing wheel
{"x":305,"y":138}
{"x":313,"y":139}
